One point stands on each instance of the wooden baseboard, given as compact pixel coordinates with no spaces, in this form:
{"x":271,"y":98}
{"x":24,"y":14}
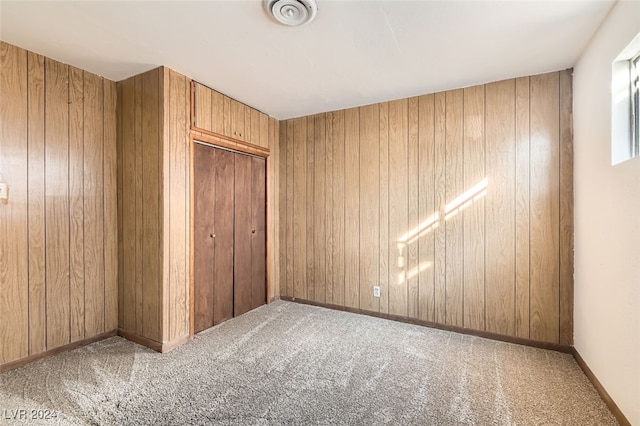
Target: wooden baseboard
{"x":71,"y":346}
{"x":601,"y":390}
{"x":485,"y":334}
{"x":153,"y":344}
{"x":274,"y":298}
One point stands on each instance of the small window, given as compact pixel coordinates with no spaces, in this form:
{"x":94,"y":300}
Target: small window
{"x":625,"y":103}
{"x":634,"y":73}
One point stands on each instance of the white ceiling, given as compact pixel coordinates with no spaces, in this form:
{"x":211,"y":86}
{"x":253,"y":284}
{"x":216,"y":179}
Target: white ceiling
{"x":353,"y":53}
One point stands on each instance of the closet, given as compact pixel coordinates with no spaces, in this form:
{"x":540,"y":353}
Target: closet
{"x":229,"y":234}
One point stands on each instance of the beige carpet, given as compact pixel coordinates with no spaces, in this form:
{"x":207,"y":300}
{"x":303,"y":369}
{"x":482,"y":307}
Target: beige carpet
{"x":287,"y":363}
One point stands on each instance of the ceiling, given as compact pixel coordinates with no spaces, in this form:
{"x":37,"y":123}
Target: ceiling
{"x":353,"y":53}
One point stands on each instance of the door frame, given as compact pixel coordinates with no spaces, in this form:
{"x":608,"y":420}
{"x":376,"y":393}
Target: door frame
{"x":228,"y":144}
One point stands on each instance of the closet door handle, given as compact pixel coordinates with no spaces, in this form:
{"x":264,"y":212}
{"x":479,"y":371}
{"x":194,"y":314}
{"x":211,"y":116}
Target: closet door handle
{"x":212,"y":235}
{"x":253,"y":231}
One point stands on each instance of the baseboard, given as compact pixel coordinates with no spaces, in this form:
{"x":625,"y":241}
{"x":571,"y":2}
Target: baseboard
{"x":46,"y":354}
{"x":274,"y":298}
{"x":461,"y":330}
{"x":153,"y":344}
{"x":615,"y":410}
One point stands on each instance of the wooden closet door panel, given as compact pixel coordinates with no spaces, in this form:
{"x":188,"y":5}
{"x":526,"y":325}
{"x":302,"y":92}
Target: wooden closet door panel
{"x":242,"y":281}
{"x":204,"y":195}
{"x":223,"y":243}
{"x":258,"y":233}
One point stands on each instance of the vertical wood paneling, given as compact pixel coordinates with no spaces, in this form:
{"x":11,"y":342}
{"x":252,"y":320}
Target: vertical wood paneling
{"x":522,"y":207}
{"x":545,"y":221}
{"x":93,"y":209}
{"x":369,"y":194}
{"x":319,"y":216}
{"x":290,"y":209}
{"x":128,"y":239}
{"x":352,"y":208}
{"x":440,"y":202}
{"x":412,"y":174}
{"x":337,"y":136}
{"x":151,"y":196}
{"x":178,"y":112}
{"x":36,"y":203}
{"x":76,"y":202}
{"x":137,"y":197}
{"x":110,"y":207}
{"x":454,"y":189}
{"x":473,"y":214}
{"x":384,"y":244}
{"x":217,"y":112}
{"x":500,"y":207}
{"x":309,"y":177}
{"x":300,"y":208}
{"x":566,"y":208}
{"x":204,"y":107}
{"x":328,"y":210}
{"x":14,"y":266}
{"x":441,"y":188}
{"x":398,"y":206}
{"x":57,"y":202}
{"x":427,"y":212}
{"x":282,"y":209}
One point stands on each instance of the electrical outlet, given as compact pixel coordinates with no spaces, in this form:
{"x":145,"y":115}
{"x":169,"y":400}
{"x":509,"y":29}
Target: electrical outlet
{"x":3,"y":191}
{"x":376,"y":291}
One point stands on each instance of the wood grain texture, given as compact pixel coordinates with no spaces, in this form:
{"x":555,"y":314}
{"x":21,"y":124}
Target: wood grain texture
{"x":258,"y":232}
{"x":14,"y":264}
{"x":178,"y":113}
{"x":290,"y":209}
{"x":566,"y":208}
{"x":137,"y":183}
{"x":453,"y":183}
{"x":398,"y":206}
{"x":427,"y":212}
{"x":328,"y":210}
{"x":352,"y":208}
{"x":383,"y":183}
{"x":439,"y":139}
{"x":473,"y":214}
{"x":242,"y":256}
{"x":453,"y":214}
{"x":300,"y":208}
{"x":93,"y":209}
{"x":36,"y":203}
{"x":151,"y":215}
{"x":57,"y":203}
{"x":110,"y":207}
{"x":500,"y":209}
{"x":545,"y":220}
{"x":369,"y":195}
{"x":336,"y":133}
{"x":522,"y":207}
{"x":309,"y":179}
{"x":413,"y":267}
{"x":319,"y":217}
{"x":281,"y":254}
{"x":76,"y":202}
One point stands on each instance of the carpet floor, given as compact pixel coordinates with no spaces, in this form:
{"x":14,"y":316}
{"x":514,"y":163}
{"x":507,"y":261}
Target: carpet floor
{"x":287,"y":363}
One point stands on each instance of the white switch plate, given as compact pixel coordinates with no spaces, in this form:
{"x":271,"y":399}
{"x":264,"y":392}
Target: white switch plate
{"x":3,"y":191}
{"x":376,"y":291}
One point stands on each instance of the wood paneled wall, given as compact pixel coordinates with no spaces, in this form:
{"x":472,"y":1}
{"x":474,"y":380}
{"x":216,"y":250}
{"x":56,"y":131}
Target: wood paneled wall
{"x":58,"y":248}
{"x":457,"y":204}
{"x":153,"y":205}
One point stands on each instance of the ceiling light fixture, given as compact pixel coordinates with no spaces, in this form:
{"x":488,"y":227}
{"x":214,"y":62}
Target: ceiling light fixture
{"x":291,"y":12}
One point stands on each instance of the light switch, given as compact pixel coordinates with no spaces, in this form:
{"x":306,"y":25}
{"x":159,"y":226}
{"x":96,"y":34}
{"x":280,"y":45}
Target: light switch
{"x":3,"y":191}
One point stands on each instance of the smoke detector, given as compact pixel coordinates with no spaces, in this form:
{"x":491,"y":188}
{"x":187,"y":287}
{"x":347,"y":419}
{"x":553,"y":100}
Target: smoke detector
{"x":291,"y":12}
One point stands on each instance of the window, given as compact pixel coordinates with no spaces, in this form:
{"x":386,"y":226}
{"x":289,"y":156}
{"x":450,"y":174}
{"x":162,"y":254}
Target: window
{"x":625,"y":103}
{"x":634,"y":73}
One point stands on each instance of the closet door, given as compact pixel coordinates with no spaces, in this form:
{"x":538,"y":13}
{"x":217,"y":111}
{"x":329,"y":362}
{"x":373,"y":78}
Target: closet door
{"x":203,"y":254}
{"x":243,"y":227}
{"x":258,"y":233}
{"x":223,"y":212}
{"x":213,"y":236}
